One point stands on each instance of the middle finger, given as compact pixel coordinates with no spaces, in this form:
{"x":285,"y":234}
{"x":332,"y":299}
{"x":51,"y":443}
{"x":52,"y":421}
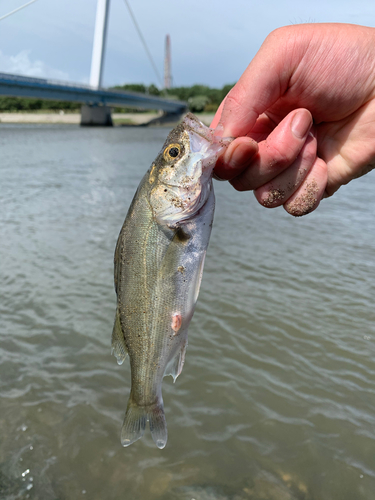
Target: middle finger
{"x":277,"y":152}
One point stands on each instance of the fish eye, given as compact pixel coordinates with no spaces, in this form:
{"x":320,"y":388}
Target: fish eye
{"x":172,"y":151}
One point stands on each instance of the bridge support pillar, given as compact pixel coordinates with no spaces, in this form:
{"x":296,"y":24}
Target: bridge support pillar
{"x":96,"y":116}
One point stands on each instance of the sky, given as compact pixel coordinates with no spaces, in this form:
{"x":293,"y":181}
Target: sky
{"x":212,"y":41}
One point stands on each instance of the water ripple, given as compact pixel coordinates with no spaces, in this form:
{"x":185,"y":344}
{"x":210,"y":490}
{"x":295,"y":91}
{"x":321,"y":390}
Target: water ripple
{"x":277,"y":393}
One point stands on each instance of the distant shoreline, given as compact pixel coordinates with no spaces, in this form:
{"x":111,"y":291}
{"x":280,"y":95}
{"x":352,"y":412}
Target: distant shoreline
{"x":75,"y":118}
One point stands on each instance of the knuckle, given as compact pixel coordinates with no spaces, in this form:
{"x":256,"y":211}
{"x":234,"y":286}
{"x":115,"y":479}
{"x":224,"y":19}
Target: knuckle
{"x":235,"y":96}
{"x":308,"y":157}
{"x":280,"y":155}
{"x":277,"y":38}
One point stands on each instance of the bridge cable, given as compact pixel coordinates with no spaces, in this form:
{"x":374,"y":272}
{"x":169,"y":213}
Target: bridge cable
{"x":143,"y":42}
{"x":16,"y":10}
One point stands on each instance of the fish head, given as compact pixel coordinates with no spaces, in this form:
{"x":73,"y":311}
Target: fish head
{"x":181,"y":176}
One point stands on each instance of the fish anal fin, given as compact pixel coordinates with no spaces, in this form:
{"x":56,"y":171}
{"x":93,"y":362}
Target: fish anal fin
{"x":198,"y":278}
{"x":118,"y":342}
{"x":174,"y":367}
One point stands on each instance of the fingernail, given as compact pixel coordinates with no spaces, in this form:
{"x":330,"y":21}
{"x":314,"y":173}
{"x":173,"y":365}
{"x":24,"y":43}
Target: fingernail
{"x":301,"y":124}
{"x":272,"y":198}
{"x":219,"y":130}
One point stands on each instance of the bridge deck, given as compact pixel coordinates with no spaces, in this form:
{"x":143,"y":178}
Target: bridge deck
{"x":22,"y":86}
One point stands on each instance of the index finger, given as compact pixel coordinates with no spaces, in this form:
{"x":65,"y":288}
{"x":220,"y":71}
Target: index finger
{"x":217,"y":116}
{"x":263,"y":82}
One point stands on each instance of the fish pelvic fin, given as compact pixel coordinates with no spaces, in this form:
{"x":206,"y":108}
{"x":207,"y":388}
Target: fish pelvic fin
{"x":119,"y":348}
{"x":135,"y":420}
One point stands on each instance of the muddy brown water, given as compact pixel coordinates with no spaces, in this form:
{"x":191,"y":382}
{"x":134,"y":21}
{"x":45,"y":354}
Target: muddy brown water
{"x":277,"y":396}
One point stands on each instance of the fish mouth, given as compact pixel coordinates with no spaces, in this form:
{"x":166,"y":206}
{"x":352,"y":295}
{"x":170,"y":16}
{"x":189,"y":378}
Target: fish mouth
{"x":194,"y":125}
{"x":203,"y":140}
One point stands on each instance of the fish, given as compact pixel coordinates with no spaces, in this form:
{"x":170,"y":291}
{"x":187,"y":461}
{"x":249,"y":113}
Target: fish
{"x":159,"y":261}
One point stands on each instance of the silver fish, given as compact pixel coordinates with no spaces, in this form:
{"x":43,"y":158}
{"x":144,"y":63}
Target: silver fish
{"x":159,"y":262}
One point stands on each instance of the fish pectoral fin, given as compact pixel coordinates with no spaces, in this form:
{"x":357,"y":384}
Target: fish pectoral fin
{"x":118,"y":342}
{"x":135,"y":423}
{"x":174,"y":367}
{"x":172,"y":256}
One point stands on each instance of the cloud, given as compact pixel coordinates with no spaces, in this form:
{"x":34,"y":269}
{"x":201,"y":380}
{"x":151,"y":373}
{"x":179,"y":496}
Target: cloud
{"x":22,"y":64}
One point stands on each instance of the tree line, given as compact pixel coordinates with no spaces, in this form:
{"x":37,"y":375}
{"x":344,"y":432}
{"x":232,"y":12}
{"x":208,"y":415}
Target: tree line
{"x":199,"y":98}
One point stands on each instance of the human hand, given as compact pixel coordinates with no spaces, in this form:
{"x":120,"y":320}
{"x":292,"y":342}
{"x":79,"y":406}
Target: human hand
{"x":320,"y":72}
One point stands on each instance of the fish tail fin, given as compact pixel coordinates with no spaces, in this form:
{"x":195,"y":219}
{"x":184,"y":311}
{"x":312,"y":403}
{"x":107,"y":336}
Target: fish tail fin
{"x":158,"y":424}
{"x":134,"y":424}
{"x":135,"y":420}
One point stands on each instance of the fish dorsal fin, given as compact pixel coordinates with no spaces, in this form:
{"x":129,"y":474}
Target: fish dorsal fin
{"x":116,"y":261}
{"x":118,"y":342}
{"x":174,"y":367}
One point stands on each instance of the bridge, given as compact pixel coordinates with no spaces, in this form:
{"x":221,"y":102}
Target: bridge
{"x":96,"y":101}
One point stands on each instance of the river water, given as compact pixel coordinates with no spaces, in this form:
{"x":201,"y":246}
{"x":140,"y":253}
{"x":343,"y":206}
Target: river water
{"x":276,"y":400}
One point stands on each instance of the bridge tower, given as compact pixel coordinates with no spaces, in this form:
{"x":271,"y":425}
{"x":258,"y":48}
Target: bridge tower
{"x":98,"y":49}
{"x":90,"y":114}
